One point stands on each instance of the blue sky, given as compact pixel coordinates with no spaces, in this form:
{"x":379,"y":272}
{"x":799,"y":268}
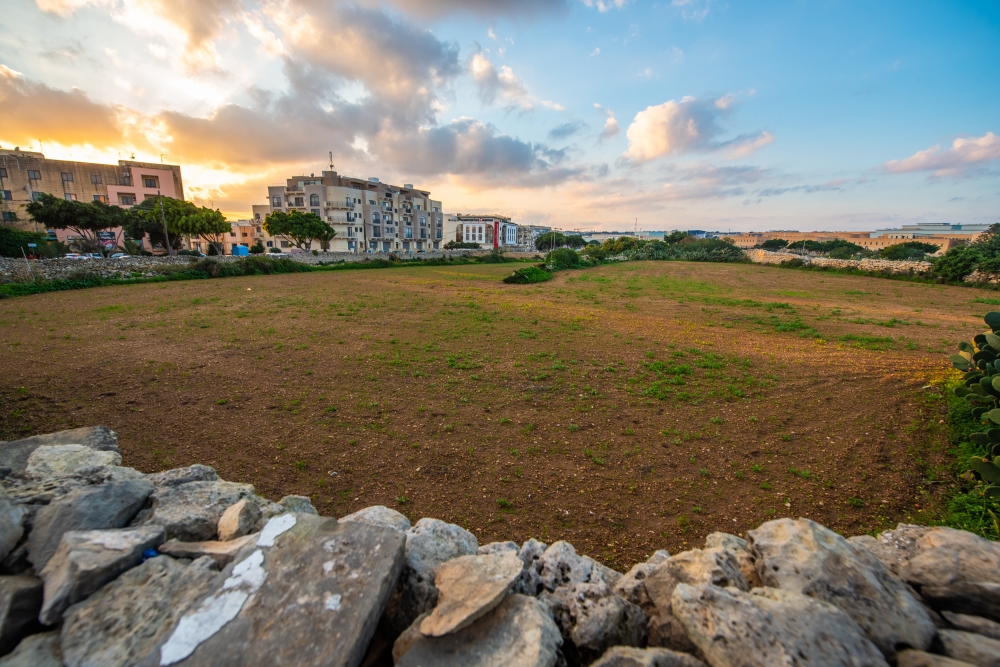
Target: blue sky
{"x":590,"y":114}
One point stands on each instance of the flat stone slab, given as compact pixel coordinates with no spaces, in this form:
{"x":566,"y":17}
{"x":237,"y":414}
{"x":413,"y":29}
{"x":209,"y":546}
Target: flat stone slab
{"x":121,"y":624}
{"x":190,"y":512}
{"x":913,"y":658}
{"x":629,"y":656}
{"x":806,"y":557}
{"x":11,"y":524}
{"x":769,"y":627}
{"x":68,"y":461}
{"x":20,"y":600}
{"x":110,"y":505}
{"x":14,"y":453}
{"x":88,"y":559}
{"x":971,"y":647}
{"x":468,"y":588}
{"x":178,"y":476}
{"x":977,"y":624}
{"x":518,"y":633}
{"x":222,"y":553}
{"x":309,"y":594}
{"x":41,"y":650}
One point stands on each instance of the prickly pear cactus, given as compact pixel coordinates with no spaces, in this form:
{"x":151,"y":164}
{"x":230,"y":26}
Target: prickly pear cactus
{"x":981,"y":363}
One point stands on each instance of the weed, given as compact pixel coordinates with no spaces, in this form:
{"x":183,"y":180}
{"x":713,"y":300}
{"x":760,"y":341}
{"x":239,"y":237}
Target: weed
{"x":402,"y":500}
{"x":766,"y":486}
{"x":855,"y":501}
{"x":301,"y":465}
{"x":504,"y":504}
{"x":222,"y":401}
{"x":755,"y":468}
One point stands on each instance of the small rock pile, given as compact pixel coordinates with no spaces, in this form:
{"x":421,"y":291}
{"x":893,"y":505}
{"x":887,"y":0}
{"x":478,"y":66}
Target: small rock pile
{"x":101,"y":565}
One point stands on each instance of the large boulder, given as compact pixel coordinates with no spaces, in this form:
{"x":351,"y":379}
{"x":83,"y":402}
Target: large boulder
{"x":560,"y":565}
{"x":518,"y":633}
{"x":911,"y":657}
{"x":629,"y":656}
{"x":309,"y":592}
{"x":68,"y":461}
{"x":11,"y":524}
{"x":41,"y":650}
{"x":428,"y":544}
{"x":530,"y":582}
{"x":632,"y":585}
{"x":110,"y":505}
{"x":805,"y":557}
{"x":970,"y":647}
{"x":893,"y":547}
{"x":469,"y":587}
{"x":592,"y":618}
{"x":770,"y":627}
{"x":956,"y":571}
{"x":20,"y":600}
{"x":14,"y":454}
{"x":88,"y":559}
{"x":121,"y":624}
{"x":379,"y":515}
{"x":718,"y":567}
{"x":190,"y":512}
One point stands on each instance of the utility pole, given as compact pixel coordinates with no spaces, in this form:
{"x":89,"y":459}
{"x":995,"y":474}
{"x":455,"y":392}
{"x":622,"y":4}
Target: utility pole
{"x":163,"y":217}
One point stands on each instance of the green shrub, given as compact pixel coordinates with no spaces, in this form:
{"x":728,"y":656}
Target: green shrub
{"x":773,"y":244}
{"x":563,"y":258}
{"x":530,"y":274}
{"x":257,"y":248}
{"x":456,"y":245}
{"x":12,"y":241}
{"x":910,"y":250}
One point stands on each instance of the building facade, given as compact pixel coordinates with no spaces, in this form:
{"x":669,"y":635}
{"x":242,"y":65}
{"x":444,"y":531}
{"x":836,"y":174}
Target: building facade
{"x":26,"y":174}
{"x":944,"y":235}
{"x":368,"y":216}
{"x":494,"y":231}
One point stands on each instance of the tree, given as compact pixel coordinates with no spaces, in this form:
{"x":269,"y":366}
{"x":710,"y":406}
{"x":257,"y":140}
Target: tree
{"x":674,"y":237}
{"x":983,"y":254}
{"x":89,"y":220}
{"x":908,"y":250}
{"x":575,"y":241}
{"x":773,"y":244}
{"x":550,"y":240}
{"x":183,"y":218}
{"x":301,"y":228}
{"x":325,"y":237}
{"x":204,"y":223}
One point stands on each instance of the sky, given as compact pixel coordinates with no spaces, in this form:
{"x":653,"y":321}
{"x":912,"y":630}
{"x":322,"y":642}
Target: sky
{"x":580,"y":114}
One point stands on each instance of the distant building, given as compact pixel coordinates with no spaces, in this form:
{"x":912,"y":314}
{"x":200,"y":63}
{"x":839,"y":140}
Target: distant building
{"x":527,"y":234}
{"x":493,"y":231}
{"x":26,"y":174}
{"x":368,"y":216}
{"x":944,"y":235}
{"x":244,"y":233}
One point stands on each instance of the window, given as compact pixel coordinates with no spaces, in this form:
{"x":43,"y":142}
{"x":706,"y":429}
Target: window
{"x":5,"y":194}
{"x":439,"y":233}
{"x":314,"y":211}
{"x":376,"y":232}
{"x":67,"y":177}
{"x":371,"y":202}
{"x":34,"y":175}
{"x":423,"y":221}
{"x":101,"y":198}
{"x":125,"y":180}
{"x":243,"y":234}
{"x":276,"y":201}
{"x":409,"y":232}
{"x":375,"y":217}
{"x":423,"y":233}
{"x":126,"y":200}
{"x":270,"y":244}
{"x":3,"y":172}
{"x":96,"y":179}
{"x":232,"y":234}
{"x":9,"y":216}
{"x":300,"y":201}
{"x":151,"y":182}
{"x":284,"y":244}
{"x":69,"y":196}
{"x":314,"y":200}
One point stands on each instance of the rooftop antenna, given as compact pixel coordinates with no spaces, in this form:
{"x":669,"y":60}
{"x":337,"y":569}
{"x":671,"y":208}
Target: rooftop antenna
{"x":161,"y":158}
{"x":331,"y":160}
{"x":133,"y":156}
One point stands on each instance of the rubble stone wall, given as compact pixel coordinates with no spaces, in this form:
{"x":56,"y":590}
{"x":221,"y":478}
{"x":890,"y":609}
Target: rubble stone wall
{"x":103,"y":565}
{"x":759,"y":256}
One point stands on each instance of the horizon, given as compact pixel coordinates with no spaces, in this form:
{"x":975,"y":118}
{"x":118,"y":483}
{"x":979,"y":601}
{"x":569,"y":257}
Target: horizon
{"x":572,"y":114}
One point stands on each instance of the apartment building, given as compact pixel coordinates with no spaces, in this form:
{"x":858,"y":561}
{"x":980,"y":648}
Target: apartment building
{"x":494,"y":231}
{"x":368,"y":215}
{"x":242,"y":233}
{"x":26,"y":174}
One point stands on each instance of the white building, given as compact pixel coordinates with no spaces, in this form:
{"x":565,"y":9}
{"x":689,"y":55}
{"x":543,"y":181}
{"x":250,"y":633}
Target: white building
{"x":492,"y":231}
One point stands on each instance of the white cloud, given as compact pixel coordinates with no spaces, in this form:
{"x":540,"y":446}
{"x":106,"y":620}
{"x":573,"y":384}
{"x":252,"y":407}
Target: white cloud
{"x":605,"y":5}
{"x":693,"y":10}
{"x":503,"y":85}
{"x":691,"y":125}
{"x":611,"y":126}
{"x":595,"y":52}
{"x":966,"y":156}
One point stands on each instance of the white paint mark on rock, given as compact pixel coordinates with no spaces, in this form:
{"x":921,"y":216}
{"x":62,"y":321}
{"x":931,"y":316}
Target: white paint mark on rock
{"x":332,"y":601}
{"x":275,"y":527}
{"x":328,"y":567}
{"x":215,"y":611}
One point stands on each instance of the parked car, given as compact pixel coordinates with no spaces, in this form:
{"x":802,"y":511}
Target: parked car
{"x":120,"y":255}
{"x":94,"y":255}
{"x":75,"y":255}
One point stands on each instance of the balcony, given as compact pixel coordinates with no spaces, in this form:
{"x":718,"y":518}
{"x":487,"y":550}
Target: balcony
{"x":340,"y":205}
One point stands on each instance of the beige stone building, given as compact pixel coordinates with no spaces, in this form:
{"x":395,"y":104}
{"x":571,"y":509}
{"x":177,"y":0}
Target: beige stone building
{"x":25,"y":174}
{"x":368,"y":215}
{"x":943,"y":235}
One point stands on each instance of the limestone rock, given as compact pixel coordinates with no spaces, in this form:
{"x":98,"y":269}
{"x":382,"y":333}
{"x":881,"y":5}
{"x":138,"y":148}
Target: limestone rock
{"x":468,"y":588}
{"x":911,"y":657}
{"x":530,"y":583}
{"x":41,"y":650}
{"x":298,"y":505}
{"x":68,"y":461}
{"x":697,"y":566}
{"x":560,"y":565}
{"x":409,"y":637}
{"x":741,"y":550}
{"x":498,"y":548}
{"x":805,"y":557}
{"x":121,"y":624}
{"x":977,"y":624}
{"x":20,"y":600}
{"x":658,"y":557}
{"x":893,"y":547}
{"x":379,"y":515}
{"x":770,"y":627}
{"x":11,"y":525}
{"x":518,"y":633}
{"x":592,"y":618}
{"x":110,"y":505}
{"x":191,"y":512}
{"x":632,"y":587}
{"x":222,"y":553}
{"x":428,"y":544}
{"x":178,"y":476}
{"x":88,"y":559}
{"x":629,"y":656}
{"x":956,"y":571}
{"x":606,"y":574}
{"x":14,"y":454}
{"x":971,"y":648}
{"x":311,"y":593}
{"x":41,"y":492}
{"x":238,"y":520}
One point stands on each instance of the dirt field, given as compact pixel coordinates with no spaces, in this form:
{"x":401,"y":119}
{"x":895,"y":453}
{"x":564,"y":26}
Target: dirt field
{"x":625,"y":408}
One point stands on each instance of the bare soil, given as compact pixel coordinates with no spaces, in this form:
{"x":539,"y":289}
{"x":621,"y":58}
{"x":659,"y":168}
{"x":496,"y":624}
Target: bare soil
{"x":624,"y":408}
